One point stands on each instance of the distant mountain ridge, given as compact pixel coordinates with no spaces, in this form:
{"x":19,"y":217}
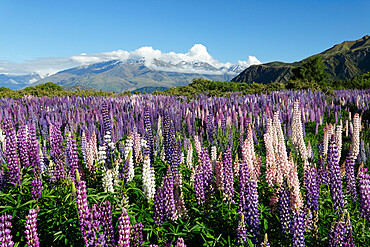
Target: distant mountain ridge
{"x":129,"y":75}
{"x":343,"y":61}
{"x":16,"y":82}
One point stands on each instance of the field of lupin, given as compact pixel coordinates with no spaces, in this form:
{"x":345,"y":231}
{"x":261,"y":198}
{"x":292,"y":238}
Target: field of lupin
{"x":283,"y":169}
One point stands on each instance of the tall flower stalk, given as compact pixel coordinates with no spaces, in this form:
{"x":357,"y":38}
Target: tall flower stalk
{"x":31,"y":229}
{"x":335,"y":182}
{"x":14,"y":174}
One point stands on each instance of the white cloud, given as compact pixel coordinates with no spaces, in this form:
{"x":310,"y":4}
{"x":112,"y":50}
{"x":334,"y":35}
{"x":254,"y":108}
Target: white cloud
{"x":48,"y":66}
{"x":251,"y":61}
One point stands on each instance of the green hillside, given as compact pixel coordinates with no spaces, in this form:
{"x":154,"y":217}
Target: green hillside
{"x":343,"y":61}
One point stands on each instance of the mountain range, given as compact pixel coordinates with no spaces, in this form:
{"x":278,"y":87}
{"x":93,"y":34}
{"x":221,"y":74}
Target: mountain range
{"x":144,"y":69}
{"x":343,"y":61}
{"x":129,"y":75}
{"x":16,"y":82}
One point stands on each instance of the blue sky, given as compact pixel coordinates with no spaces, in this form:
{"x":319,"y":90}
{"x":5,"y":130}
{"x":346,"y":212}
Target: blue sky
{"x":231,"y":30}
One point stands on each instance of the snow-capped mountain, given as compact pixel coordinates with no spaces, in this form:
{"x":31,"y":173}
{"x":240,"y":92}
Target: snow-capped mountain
{"x":123,"y":70}
{"x":130,"y":74}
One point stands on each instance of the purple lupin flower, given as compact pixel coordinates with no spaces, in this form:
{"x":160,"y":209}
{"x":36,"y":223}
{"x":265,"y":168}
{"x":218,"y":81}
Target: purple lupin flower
{"x":14,"y":176}
{"x":23,"y":146}
{"x":179,"y":199}
{"x":84,"y":146}
{"x":36,"y":188}
{"x":85,"y":216}
{"x":124,"y":229}
{"x":350,"y":177}
{"x":2,"y":178}
{"x":284,"y":208}
{"x":312,"y":189}
{"x":298,"y":228}
{"x":168,"y":196}
{"x":323,"y":174}
{"x":364,"y":184}
{"x":5,"y":236}
{"x":31,"y":229}
{"x":106,"y":118}
{"x":348,"y":240}
{"x":72,"y":157}
{"x":337,"y":233}
{"x":34,"y":153}
{"x":229,"y":177}
{"x":199,"y":185}
{"x":106,"y":222}
{"x":335,"y":181}
{"x":97,"y":221}
{"x":56,"y":143}
{"x":248,"y":204}
{"x":137,"y":235}
{"x":149,"y":133}
{"x":207,"y":170}
{"x":158,"y":207}
{"x":241,"y":231}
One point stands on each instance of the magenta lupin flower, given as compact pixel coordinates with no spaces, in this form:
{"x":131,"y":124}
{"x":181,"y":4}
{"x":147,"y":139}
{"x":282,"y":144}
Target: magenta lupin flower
{"x":31,"y":229}
{"x":180,"y":242}
{"x":219,"y":170}
{"x":137,"y":235}
{"x":5,"y":236}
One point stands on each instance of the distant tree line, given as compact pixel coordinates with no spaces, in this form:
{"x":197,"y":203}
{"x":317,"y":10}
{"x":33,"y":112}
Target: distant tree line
{"x":50,"y":89}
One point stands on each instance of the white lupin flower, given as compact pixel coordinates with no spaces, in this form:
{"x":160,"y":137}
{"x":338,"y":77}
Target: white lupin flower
{"x":297,"y":131}
{"x":116,"y":174}
{"x":148,"y":179}
{"x":338,"y":139}
{"x":189,"y":157}
{"x":102,"y":155}
{"x":213,"y":154}
{"x":107,"y":180}
{"x":2,"y":139}
{"x":128,"y":156}
{"x":163,"y":155}
{"x":42,"y":161}
{"x":356,"y":135}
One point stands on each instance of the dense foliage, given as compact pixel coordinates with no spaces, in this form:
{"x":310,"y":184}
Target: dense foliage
{"x":288,"y":168}
{"x":50,"y":89}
